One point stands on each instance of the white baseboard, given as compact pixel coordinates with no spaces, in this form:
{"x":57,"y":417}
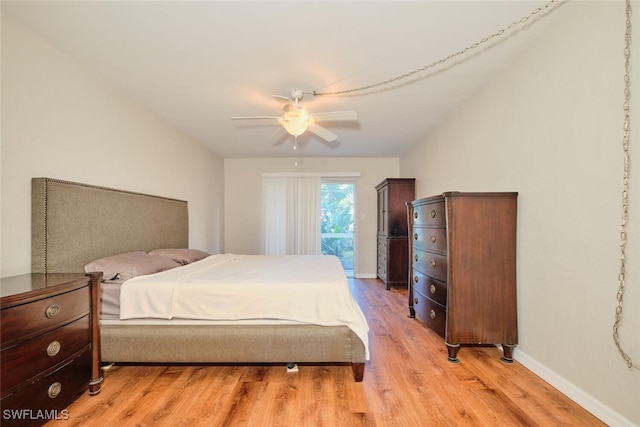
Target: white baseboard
{"x":366,"y":276}
{"x":588,"y":402}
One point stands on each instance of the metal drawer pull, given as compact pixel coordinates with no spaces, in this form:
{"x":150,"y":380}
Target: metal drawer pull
{"x":415,"y":214}
{"x":433,"y":239}
{"x":432,"y":263}
{"x":53,"y":348}
{"x":433,"y":214}
{"x":415,"y":236}
{"x":52,"y":311}
{"x":415,"y":257}
{"x":432,"y":314}
{"x":432,"y":288}
{"x":415,"y":279}
{"x":54,"y":390}
{"x":415,"y":300}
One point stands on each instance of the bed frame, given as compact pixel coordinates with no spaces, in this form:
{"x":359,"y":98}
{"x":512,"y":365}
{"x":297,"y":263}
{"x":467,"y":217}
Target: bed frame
{"x":74,"y":224}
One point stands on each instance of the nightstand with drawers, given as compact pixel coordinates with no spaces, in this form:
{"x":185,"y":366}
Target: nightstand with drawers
{"x":50,"y":343}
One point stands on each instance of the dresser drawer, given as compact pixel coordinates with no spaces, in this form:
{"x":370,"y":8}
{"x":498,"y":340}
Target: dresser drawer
{"x":431,"y":313}
{"x":55,"y":391}
{"x":382,"y":257}
{"x":430,"y":239}
{"x":382,"y":244}
{"x":426,"y":285}
{"x":430,"y":264}
{"x":27,"y":320}
{"x":430,"y":215}
{"x":29,"y":359}
{"x":382,"y":265}
{"x":382,"y":271}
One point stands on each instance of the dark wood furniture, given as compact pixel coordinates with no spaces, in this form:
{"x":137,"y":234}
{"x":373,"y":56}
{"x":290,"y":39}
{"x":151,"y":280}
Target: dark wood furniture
{"x":50,"y":344}
{"x":463,"y":268}
{"x":393,"y":194}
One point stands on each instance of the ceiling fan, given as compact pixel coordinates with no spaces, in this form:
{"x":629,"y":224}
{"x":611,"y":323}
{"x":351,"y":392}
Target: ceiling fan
{"x":296,"y":118}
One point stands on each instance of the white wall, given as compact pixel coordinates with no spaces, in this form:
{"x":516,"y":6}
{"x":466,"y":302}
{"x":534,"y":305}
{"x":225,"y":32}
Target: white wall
{"x":60,"y":121}
{"x":550,"y":127}
{"x":243,"y":187}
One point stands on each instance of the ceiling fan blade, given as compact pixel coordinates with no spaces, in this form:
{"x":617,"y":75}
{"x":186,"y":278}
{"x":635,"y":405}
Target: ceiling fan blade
{"x":335,"y":116}
{"x":281,"y":98}
{"x":277,"y":136}
{"x":322,"y":132}
{"x":254,"y":117}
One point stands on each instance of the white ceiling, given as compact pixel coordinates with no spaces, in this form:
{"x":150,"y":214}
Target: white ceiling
{"x":198,"y":63}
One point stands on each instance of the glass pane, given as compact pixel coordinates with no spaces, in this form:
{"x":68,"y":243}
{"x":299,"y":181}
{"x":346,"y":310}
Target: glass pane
{"x":337,"y":223}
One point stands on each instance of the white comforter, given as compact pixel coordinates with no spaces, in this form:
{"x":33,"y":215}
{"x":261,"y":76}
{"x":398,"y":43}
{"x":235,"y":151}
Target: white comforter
{"x":299,"y":288}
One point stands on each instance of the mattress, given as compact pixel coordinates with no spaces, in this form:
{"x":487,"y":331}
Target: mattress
{"x":110,"y":300}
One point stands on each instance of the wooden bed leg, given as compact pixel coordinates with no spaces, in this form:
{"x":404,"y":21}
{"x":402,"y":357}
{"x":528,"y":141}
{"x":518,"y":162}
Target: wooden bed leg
{"x":358,"y":371}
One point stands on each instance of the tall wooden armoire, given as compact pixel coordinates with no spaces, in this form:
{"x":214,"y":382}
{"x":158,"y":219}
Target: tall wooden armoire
{"x":393,"y":194}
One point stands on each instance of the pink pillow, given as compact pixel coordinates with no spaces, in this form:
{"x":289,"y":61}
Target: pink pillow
{"x":121,"y":267}
{"x":182,"y":256}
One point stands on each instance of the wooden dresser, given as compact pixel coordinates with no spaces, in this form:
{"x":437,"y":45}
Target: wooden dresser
{"x":463,"y":257}
{"x":393,"y":194}
{"x":50,"y":344}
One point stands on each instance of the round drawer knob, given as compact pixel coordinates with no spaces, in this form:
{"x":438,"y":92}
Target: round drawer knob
{"x":432,"y":263}
{"x":415,"y":279}
{"x":415,"y":236}
{"x":432,"y":314}
{"x":53,"y":348}
{"x":432,"y":288}
{"x":54,"y":390}
{"x":415,"y":300}
{"x":52,"y":311}
{"x":415,"y":257}
{"x":415,"y":214}
{"x":433,"y":214}
{"x":433,"y":239}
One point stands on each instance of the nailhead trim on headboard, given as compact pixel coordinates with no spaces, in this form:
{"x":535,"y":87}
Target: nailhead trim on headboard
{"x":46,"y":234}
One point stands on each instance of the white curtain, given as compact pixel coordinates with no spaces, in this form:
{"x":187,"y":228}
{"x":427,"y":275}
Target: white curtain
{"x":291,"y":215}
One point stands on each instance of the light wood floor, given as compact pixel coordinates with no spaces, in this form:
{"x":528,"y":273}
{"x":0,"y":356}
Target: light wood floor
{"x":407,"y":382}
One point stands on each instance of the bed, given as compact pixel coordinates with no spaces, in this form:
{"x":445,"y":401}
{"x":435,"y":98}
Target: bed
{"x":74,"y":224}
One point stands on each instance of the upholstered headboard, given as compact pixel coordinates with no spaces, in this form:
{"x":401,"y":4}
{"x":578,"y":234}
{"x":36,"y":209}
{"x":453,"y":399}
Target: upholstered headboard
{"x":73,"y":224}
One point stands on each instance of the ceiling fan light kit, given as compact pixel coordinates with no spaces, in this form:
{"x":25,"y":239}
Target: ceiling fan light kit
{"x":296,"y":118}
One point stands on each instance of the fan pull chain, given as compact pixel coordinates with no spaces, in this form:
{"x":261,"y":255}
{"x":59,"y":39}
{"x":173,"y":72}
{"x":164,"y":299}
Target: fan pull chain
{"x":499,"y":33}
{"x":625,"y":190}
